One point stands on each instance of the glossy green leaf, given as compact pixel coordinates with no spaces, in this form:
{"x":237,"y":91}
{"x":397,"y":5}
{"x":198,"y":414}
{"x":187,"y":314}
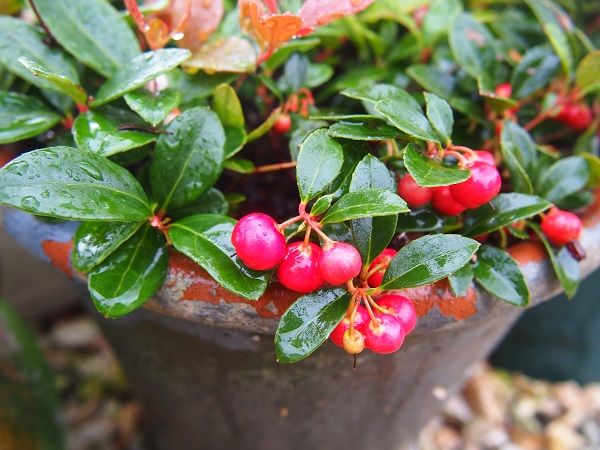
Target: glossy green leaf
{"x":365,"y":203}
{"x":407,"y":116}
{"x":461,"y":280}
{"x":73,"y":184}
{"x":322,"y":205}
{"x":239,"y":165}
{"x":472,"y":46}
{"x":318,"y":74}
{"x":429,"y":172}
{"x":354,"y":152}
{"x":96,"y":241}
{"x":283,"y":53}
{"x":99,"y":133}
{"x":369,"y":95}
{"x":235,"y":139}
{"x":424,"y":220}
{"x":227,"y":106}
{"x":433,"y":80}
{"x":319,"y":162}
{"x":188,"y":158}
{"x":565,"y":177}
{"x":92,"y":30}
{"x":372,"y":234}
{"x":22,"y":117}
{"x":363,"y":131}
{"x":438,"y":19}
{"x":502,"y":211}
{"x":565,"y":266}
{"x":534,"y":72}
{"x":130,"y":275}
{"x":139,"y":71}
{"x":440,"y":116}
{"x":211,"y":202}
{"x":499,"y":274}
{"x":520,"y":155}
{"x":428,"y":259}
{"x":307,"y":324}
{"x":20,"y":39}
{"x":206,"y":239}
{"x":586,"y":76}
{"x":153,"y":108}
{"x":60,"y":83}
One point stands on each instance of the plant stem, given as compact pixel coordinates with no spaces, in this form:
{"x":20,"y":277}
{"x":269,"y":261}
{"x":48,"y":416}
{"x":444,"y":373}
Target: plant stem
{"x":275,"y":167}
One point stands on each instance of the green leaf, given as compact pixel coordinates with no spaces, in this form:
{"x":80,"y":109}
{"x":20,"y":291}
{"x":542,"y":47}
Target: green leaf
{"x":372,"y":234}
{"x":438,"y":19}
{"x":235,"y":139}
{"x":18,"y":39}
{"x":460,"y":281}
{"x":424,"y":220}
{"x":502,"y":211}
{"x":130,"y":275}
{"x":560,"y":43}
{"x":534,"y":72}
{"x":239,"y":165}
{"x":565,"y":266}
{"x":139,"y":71}
{"x":363,"y":131}
{"x":153,"y":108}
{"x":369,"y":95}
{"x":96,"y":241}
{"x":231,"y":54}
{"x":60,"y":83}
{"x":440,"y":116}
{"x":91,"y":30}
{"x":586,"y":76}
{"x":283,"y":53}
{"x":227,"y":106}
{"x":365,"y":203}
{"x":472,"y":46}
{"x":307,"y":324}
{"x":206,"y":239}
{"x":520,"y":155}
{"x":211,"y":202}
{"x":406,"y":115}
{"x":99,"y":133}
{"x":429,"y":172}
{"x":319,"y":162}
{"x":68,"y":183}
{"x":432,"y":79}
{"x":565,"y":177}
{"x":188,"y":158}
{"x":321,"y":205}
{"x":22,"y":117}
{"x":428,"y":259}
{"x":499,"y":274}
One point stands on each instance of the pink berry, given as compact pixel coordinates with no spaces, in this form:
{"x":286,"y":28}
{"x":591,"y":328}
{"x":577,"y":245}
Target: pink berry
{"x":561,"y":227}
{"x":361,"y":319}
{"x":402,"y":309}
{"x":444,"y":203}
{"x":283,"y":124}
{"x":504,"y":90}
{"x":339,"y":263}
{"x":258,"y":242}
{"x":413,"y":194}
{"x":481,"y":187}
{"x":385,"y":334}
{"x":485,"y":157}
{"x":383,"y":259}
{"x":299,"y":270}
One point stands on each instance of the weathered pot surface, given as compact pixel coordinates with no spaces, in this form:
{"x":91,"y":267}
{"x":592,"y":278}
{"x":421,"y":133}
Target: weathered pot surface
{"x":217,"y":386}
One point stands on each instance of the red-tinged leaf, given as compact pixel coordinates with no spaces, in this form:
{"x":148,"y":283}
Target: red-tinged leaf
{"x":316,"y":13}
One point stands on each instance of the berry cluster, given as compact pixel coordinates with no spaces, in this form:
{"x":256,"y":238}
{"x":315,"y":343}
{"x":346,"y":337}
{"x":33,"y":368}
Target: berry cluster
{"x":481,"y":187}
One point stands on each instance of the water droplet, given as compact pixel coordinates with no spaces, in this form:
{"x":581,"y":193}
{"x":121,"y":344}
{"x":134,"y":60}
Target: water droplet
{"x":91,"y":170}
{"x":30,"y":202}
{"x":18,"y":167}
{"x":45,"y":194}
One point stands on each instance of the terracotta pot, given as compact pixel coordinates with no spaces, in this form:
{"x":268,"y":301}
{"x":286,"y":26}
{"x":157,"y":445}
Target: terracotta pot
{"x":202,"y":360}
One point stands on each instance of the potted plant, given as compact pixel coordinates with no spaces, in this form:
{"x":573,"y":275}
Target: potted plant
{"x":346,"y":165}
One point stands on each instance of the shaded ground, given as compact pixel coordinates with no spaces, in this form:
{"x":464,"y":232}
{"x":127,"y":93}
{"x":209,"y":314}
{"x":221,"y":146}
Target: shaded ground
{"x":496,"y":410}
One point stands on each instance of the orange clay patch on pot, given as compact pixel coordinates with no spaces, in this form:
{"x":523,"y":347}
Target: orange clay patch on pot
{"x":271,"y":305}
{"x":440,"y":295}
{"x":59,"y":254}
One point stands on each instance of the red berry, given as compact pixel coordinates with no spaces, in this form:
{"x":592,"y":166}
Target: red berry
{"x":485,"y":157}
{"x":384,"y":259}
{"x":575,"y":115}
{"x":504,"y":90}
{"x":299,"y":270}
{"x":415,"y":195}
{"x":361,"y":319}
{"x":258,"y":242}
{"x":443,"y":202}
{"x":384,"y":334}
{"x":482,"y":186}
{"x":561,"y":227}
{"x":402,"y":309}
{"x":354,"y":341}
{"x":339,"y":263}
{"x":283,"y":124}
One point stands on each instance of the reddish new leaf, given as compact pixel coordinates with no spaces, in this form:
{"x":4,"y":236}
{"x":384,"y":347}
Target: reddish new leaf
{"x":316,"y":13}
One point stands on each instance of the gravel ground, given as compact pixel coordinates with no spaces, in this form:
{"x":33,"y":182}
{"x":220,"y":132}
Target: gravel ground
{"x":495,"y":410}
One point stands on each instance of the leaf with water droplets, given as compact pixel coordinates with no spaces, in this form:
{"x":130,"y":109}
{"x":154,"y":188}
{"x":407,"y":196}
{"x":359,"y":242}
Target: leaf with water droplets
{"x":153,"y":108}
{"x":22,"y":117}
{"x":232,"y":54}
{"x":188,"y":159}
{"x":69,"y":183}
{"x":130,"y":275}
{"x":316,"y":13}
{"x":59,"y":83}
